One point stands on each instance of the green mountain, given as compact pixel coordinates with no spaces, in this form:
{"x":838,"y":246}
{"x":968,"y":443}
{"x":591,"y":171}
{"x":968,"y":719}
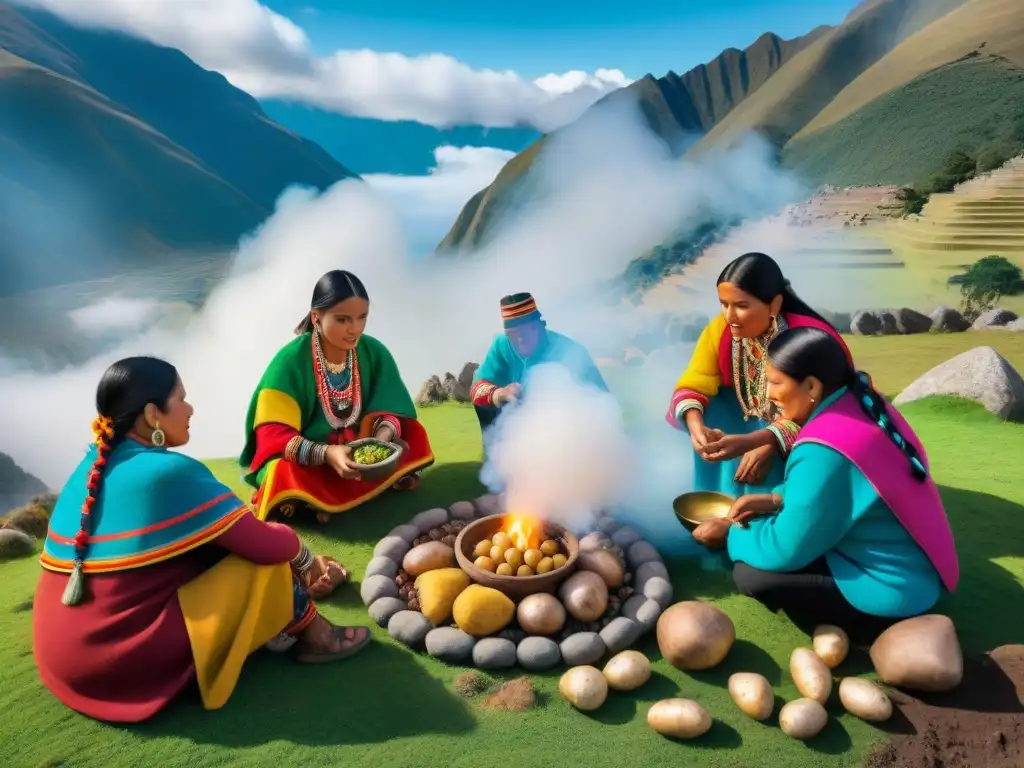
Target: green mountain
{"x":882,"y":98}
{"x":115,"y":152}
{"x":676,"y":107}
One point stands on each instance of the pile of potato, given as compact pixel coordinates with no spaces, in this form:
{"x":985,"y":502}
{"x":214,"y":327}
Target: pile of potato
{"x":696,"y":636}
{"x":500,"y":555}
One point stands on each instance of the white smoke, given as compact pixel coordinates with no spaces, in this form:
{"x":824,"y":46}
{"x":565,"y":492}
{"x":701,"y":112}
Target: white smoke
{"x":606,"y":190}
{"x":562,"y":453}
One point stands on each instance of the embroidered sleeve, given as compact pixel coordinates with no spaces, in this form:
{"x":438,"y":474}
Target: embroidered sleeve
{"x":785,"y":432}
{"x":702,"y":376}
{"x":483,"y":393}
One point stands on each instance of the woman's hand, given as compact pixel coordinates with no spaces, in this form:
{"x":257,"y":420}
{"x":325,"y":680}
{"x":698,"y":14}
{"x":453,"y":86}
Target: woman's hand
{"x":753,"y":505}
{"x":339,"y":458}
{"x":700,"y":435}
{"x":755,"y":464}
{"x":509,"y":394}
{"x":385,"y":433}
{"x":713,"y":534}
{"x":724,"y":447}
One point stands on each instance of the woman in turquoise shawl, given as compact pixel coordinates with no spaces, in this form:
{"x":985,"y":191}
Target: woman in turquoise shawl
{"x":156,"y":575}
{"x":856,"y":534}
{"x":330,"y":385}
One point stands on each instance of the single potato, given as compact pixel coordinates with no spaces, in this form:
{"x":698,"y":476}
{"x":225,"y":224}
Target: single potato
{"x":753,"y":694}
{"x":679,"y":718}
{"x":627,"y":671}
{"x":584,"y":687}
{"x":831,"y":644}
{"x":813,"y":679}
{"x":865,"y":699}
{"x":802,"y":719}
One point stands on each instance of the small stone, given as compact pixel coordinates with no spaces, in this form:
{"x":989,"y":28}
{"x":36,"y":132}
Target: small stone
{"x":625,"y":536}
{"x":607,"y":525}
{"x":582,"y":648}
{"x":393,"y":547}
{"x":494,"y":653}
{"x":643,"y":611}
{"x":428,"y":520}
{"x":449,"y":540}
{"x":487,"y":505}
{"x":381,"y":566}
{"x":646,"y":571}
{"x":409,"y":628}
{"x":414,"y":604}
{"x":620,"y":634}
{"x":462,"y":510}
{"x":375,"y":587}
{"x":437,"y":534}
{"x":406,"y":533}
{"x":536,"y":653}
{"x":641,"y":552}
{"x":625,"y":593}
{"x":659,"y":590}
{"x":383,"y":609}
{"x":449,"y":644}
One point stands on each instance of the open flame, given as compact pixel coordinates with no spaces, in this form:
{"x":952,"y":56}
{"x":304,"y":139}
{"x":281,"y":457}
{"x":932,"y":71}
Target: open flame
{"x":524,"y":532}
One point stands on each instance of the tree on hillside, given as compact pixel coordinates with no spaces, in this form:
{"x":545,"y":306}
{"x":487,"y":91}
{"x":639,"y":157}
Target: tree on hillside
{"x":907,"y":201}
{"x":986,"y":281}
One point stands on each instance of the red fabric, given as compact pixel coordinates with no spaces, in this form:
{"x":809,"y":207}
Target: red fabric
{"x":270,"y":442}
{"x":390,"y":420}
{"x":334,"y":493}
{"x":793,"y":321}
{"x":124,"y":653}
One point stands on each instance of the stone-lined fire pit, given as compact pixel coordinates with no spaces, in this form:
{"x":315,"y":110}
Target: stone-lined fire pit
{"x":422,"y":584}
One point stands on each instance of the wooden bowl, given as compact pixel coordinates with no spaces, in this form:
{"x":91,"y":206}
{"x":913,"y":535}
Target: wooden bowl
{"x":514,"y":587}
{"x":697,"y":507}
{"x":383,"y":468}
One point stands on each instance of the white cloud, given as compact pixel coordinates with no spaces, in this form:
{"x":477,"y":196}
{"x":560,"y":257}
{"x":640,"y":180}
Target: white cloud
{"x":598,"y":209}
{"x":269,"y":56}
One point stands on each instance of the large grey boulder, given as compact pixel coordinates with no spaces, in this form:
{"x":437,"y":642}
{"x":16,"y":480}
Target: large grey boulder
{"x":866,"y":323}
{"x":994,"y":318}
{"x":948,"y":320}
{"x":980,"y":374}
{"x":911,"y":321}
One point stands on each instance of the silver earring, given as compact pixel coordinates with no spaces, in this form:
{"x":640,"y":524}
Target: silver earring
{"x":158,"y":438}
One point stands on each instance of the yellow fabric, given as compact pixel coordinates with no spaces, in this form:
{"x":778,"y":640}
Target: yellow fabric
{"x":703,"y":374}
{"x":276,"y":407}
{"x":230,"y":611}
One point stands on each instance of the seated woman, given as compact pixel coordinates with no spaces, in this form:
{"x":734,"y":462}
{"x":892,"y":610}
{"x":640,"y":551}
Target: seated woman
{"x":739,"y":440}
{"x":156,"y":575}
{"x":330,"y":385}
{"x":856,"y":535}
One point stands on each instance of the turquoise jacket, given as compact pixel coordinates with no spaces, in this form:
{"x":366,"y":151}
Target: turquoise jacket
{"x":503,"y":365}
{"x":830,"y":509}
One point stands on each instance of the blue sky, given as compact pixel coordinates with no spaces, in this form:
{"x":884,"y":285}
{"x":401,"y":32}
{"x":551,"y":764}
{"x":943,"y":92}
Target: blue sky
{"x":535,"y":37}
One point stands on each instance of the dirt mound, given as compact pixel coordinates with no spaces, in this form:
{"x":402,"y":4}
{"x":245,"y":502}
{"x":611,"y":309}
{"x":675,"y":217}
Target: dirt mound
{"x":978,"y":725}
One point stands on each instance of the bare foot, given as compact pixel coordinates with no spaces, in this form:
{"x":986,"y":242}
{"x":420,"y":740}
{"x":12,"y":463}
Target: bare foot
{"x":322,"y":641}
{"x":334,"y":575}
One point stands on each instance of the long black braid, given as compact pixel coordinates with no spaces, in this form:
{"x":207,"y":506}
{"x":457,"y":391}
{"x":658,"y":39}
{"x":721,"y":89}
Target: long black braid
{"x":873,"y":404}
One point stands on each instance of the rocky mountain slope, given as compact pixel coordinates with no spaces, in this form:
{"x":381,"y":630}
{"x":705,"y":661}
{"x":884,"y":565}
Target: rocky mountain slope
{"x":874,"y":86}
{"x":114,"y":151}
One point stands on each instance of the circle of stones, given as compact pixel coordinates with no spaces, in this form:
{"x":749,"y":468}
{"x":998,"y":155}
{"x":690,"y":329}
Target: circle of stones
{"x":381,"y":594}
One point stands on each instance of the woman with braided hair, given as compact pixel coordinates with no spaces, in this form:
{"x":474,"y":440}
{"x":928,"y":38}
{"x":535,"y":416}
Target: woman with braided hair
{"x":856,"y":534}
{"x":740,"y":441}
{"x":156,"y":575}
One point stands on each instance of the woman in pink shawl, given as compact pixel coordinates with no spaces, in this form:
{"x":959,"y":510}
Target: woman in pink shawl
{"x":856,"y":534}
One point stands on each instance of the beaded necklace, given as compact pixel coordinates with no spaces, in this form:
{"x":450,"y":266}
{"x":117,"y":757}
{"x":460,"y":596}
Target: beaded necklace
{"x":749,"y":361}
{"x":338,"y":387}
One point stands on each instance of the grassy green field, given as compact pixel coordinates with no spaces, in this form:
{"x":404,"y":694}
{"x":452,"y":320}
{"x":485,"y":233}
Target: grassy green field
{"x":906,"y":134}
{"x":392,"y":707}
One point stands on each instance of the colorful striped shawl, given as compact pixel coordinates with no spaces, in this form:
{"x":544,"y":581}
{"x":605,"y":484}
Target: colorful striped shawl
{"x":152,"y":504}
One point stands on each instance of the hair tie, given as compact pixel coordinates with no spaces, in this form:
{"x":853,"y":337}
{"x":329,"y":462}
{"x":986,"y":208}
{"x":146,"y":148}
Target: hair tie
{"x":102,"y":428}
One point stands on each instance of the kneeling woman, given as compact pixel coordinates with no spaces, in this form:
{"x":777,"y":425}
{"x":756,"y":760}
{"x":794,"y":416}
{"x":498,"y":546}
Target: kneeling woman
{"x":156,"y":575}
{"x":330,"y":385}
{"x":856,"y":535}
{"x":739,"y":439}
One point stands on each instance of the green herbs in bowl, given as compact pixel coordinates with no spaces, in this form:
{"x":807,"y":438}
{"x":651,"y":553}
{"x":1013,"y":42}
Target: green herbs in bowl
{"x":372,"y":453}
{"x":376,"y":459}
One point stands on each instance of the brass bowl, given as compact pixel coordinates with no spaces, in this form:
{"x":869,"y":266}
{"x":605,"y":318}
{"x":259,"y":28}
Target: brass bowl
{"x":698,"y":507}
{"x":515,"y":587}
